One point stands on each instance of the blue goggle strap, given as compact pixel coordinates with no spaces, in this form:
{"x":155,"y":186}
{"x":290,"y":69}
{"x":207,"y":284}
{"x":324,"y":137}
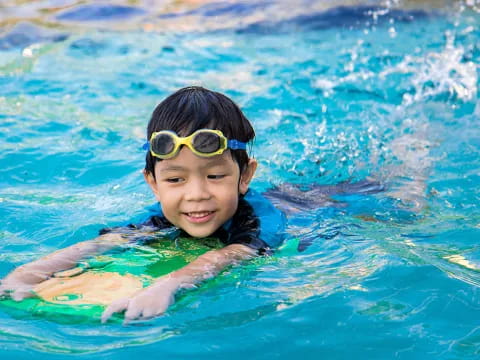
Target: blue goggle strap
{"x":236,"y":145}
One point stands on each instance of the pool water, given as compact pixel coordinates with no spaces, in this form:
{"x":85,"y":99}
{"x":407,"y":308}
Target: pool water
{"x":375,"y":90}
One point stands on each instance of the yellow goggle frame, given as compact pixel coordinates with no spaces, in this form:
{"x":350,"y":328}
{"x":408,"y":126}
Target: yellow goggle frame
{"x":223,"y":143}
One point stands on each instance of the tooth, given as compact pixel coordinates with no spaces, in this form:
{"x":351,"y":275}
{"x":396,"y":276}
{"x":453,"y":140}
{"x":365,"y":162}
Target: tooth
{"x":199,"y":214}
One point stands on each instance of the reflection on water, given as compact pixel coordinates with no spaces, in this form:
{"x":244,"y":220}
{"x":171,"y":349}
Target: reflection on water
{"x":193,"y":15}
{"x":338,"y":95}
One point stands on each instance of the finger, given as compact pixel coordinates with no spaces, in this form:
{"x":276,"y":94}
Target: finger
{"x":157,"y":308}
{"x":133,"y":312}
{"x":151,"y":312}
{"x":114,"y":307}
{"x":20,"y":294}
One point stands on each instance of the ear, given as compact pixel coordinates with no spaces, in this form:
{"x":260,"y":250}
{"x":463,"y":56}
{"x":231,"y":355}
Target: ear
{"x":246,"y":176}
{"x":150,"y":180}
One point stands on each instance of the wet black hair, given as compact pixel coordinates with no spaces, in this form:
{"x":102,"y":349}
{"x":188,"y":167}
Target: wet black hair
{"x":193,"y":108}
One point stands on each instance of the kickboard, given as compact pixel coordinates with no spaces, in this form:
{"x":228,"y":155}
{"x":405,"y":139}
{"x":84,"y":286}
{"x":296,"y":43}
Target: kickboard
{"x":81,"y":294}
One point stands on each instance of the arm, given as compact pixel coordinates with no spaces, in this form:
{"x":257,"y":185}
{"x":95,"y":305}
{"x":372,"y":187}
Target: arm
{"x":22,"y":280}
{"x":156,"y":298}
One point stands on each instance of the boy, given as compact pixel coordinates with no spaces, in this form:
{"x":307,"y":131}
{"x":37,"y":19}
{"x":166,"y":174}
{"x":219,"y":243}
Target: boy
{"x":199,"y":171}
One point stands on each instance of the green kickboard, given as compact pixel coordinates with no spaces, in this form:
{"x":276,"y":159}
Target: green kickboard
{"x":68,"y":299}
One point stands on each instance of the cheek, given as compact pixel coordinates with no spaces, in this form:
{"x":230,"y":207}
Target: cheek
{"x":159,"y":193}
{"x":167,"y":197}
{"x":168,"y":193}
{"x":231,"y":194}
{"x":169,"y":206}
{"x":231,"y":203}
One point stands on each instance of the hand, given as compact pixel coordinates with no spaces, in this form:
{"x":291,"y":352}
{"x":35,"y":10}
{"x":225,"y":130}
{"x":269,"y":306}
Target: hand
{"x":149,"y":302}
{"x":20,"y":283}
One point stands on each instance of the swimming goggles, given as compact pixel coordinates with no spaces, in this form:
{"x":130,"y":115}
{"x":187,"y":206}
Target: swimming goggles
{"x":204,"y":142}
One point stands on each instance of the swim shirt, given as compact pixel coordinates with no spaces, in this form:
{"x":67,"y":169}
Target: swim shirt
{"x":256,"y":224}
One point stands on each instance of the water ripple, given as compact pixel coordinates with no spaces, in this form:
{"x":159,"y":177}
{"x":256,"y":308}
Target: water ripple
{"x":388,"y":94}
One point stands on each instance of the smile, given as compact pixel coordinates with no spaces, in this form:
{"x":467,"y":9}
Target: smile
{"x":199,"y":216}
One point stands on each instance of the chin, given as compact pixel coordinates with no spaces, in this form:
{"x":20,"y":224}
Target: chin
{"x":200,"y":233}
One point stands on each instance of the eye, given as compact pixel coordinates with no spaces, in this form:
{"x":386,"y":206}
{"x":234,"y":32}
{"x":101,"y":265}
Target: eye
{"x":216,"y":176}
{"x":174,"y":180}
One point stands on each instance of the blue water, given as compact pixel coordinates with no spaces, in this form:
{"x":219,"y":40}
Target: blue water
{"x":335,"y":94}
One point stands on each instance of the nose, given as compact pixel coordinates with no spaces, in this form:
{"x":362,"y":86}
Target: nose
{"x":197,"y":190}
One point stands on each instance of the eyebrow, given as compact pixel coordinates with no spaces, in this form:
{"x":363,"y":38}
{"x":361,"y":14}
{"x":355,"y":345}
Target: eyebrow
{"x":173,"y":168}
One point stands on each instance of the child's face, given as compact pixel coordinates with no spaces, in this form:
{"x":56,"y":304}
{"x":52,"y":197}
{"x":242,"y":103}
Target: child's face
{"x":199,"y":194}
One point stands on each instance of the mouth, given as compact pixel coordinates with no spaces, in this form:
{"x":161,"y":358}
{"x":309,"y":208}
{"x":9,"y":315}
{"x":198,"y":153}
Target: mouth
{"x":199,"y":216}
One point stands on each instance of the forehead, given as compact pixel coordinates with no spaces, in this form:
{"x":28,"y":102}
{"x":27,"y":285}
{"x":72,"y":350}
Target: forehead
{"x":188,"y":161}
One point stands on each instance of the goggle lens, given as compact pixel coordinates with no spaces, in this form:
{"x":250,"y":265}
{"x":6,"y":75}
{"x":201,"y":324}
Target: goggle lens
{"x":163,"y":144}
{"x":206,"y":142}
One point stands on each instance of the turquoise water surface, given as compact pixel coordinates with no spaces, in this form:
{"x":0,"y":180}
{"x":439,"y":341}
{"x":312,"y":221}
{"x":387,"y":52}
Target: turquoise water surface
{"x":379,"y":90}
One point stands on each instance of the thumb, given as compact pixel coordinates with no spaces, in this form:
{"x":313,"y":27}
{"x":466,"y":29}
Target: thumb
{"x":20,"y":294}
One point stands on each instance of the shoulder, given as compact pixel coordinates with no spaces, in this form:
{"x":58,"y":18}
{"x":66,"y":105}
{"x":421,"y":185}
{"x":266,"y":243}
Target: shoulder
{"x":271,"y":221}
